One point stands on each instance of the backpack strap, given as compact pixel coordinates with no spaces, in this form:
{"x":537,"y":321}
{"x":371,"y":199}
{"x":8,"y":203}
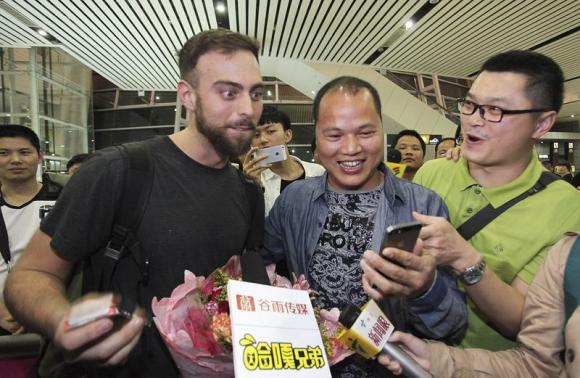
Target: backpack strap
{"x":486,"y":215}
{"x":572,"y":281}
{"x":255,"y":237}
{"x":4,"y":244}
{"x":134,"y":200}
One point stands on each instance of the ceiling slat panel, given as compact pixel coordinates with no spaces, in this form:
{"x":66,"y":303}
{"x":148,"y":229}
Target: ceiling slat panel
{"x":280,"y":28}
{"x":314,"y":29}
{"x":311,"y":14}
{"x":160,"y":54}
{"x":210,"y":10}
{"x":264,"y":23}
{"x":350,"y":35}
{"x":192,"y":17}
{"x":298,"y":14}
{"x":161,"y":22}
{"x":339,"y":26}
{"x":328,"y":28}
{"x":77,"y":37}
{"x":233,"y":15}
{"x":391,"y":19}
{"x":19,"y":33}
{"x":115,"y":38}
{"x":252,"y":8}
{"x":184,"y":19}
{"x":168,"y":6}
{"x":200,"y":9}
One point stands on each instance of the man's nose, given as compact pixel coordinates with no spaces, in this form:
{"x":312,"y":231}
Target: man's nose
{"x":351,"y":145}
{"x":246,"y":106}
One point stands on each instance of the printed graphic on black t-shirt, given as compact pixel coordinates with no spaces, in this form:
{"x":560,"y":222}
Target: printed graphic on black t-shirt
{"x":348,"y":230}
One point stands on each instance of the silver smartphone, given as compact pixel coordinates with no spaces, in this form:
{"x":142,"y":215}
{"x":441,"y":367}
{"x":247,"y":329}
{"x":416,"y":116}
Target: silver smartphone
{"x":274,"y":154}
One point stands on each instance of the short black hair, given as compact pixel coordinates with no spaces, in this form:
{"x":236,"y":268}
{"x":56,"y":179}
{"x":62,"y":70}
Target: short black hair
{"x":565,"y":164}
{"x":545,"y":78}
{"x":77,"y":159}
{"x":271,"y":114}
{"x":351,"y":85}
{"x":443,"y":140}
{"x":223,"y":40}
{"x":412,"y":133}
{"x":19,"y":131}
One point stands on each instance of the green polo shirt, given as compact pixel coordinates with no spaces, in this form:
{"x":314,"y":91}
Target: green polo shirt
{"x":515,"y":243}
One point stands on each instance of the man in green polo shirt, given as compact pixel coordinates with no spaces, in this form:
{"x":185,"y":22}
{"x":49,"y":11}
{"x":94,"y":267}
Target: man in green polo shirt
{"x":511,"y":104}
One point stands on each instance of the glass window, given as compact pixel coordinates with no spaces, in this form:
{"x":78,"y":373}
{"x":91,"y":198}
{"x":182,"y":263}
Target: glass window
{"x":269,"y":92}
{"x":58,"y":102}
{"x":104,"y":99}
{"x":302,"y":134}
{"x":286,"y":92}
{"x":298,"y":113}
{"x":302,"y":152}
{"x":127,"y":98}
{"x":15,"y":93}
{"x":59,"y":140}
{"x":165,"y":97}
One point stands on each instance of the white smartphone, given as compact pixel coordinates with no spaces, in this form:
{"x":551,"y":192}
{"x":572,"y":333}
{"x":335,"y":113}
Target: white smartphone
{"x":273,"y":153}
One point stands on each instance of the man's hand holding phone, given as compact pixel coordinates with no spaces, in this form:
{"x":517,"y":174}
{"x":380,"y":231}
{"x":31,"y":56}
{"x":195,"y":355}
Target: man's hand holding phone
{"x":94,"y":334}
{"x":254,"y":165}
{"x":397,"y":272}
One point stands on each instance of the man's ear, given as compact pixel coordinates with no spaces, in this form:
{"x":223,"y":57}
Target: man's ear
{"x":186,"y":95}
{"x":544,"y":124}
{"x":287,"y":136}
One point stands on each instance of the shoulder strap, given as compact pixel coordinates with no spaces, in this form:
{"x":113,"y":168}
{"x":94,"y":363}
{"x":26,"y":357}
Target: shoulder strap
{"x":53,"y":185}
{"x":254,"y":239}
{"x":484,"y":216}
{"x":134,"y":201}
{"x":4,"y":244}
{"x":572,"y":281}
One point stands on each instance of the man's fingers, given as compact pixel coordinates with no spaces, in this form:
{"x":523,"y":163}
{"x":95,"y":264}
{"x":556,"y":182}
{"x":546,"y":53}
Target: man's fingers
{"x":106,"y":349}
{"x":76,"y":338}
{"x":121,"y":356}
{"x":404,"y":258}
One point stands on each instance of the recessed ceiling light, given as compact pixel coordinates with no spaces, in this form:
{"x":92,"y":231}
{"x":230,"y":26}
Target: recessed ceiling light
{"x":220,"y":8}
{"x":42,"y":32}
{"x":157,"y":97}
{"x":572,"y":115}
{"x":409,"y":24}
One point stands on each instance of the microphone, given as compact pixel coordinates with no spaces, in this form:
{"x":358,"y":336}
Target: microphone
{"x":253,"y":269}
{"x":368,"y":333}
{"x":394,"y":156}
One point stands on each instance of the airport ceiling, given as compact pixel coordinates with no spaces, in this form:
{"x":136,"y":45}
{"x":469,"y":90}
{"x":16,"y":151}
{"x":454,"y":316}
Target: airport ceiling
{"x":133,"y":43}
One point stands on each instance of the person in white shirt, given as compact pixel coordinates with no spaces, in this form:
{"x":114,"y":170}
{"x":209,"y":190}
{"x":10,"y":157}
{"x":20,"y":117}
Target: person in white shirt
{"x":274,"y":128}
{"x":23,"y":202}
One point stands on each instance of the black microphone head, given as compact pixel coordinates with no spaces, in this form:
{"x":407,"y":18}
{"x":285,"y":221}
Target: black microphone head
{"x":394,"y":156}
{"x":253,"y":269}
{"x":349,"y":315}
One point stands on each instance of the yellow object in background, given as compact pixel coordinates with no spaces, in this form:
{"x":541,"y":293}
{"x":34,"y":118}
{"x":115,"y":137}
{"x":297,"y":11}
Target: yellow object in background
{"x":397,"y":168}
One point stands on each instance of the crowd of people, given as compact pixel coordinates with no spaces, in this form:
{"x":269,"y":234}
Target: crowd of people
{"x":489,"y":271}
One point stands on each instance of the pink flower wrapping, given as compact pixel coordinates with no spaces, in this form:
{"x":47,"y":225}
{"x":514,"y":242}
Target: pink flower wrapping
{"x":194,"y":321}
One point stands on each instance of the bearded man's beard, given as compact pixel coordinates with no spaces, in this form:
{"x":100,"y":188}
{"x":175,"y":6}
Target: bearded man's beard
{"x":216,"y":134}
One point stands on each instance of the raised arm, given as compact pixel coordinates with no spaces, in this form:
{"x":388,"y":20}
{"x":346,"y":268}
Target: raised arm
{"x":35,"y":294}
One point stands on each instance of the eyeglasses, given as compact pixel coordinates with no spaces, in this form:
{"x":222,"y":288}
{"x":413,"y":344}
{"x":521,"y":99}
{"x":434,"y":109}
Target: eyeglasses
{"x":489,"y":112}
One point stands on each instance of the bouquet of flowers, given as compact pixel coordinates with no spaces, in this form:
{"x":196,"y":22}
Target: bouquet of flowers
{"x":195,"y":324}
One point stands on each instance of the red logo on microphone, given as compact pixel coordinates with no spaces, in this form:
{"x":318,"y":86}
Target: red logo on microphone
{"x":245,"y":303}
